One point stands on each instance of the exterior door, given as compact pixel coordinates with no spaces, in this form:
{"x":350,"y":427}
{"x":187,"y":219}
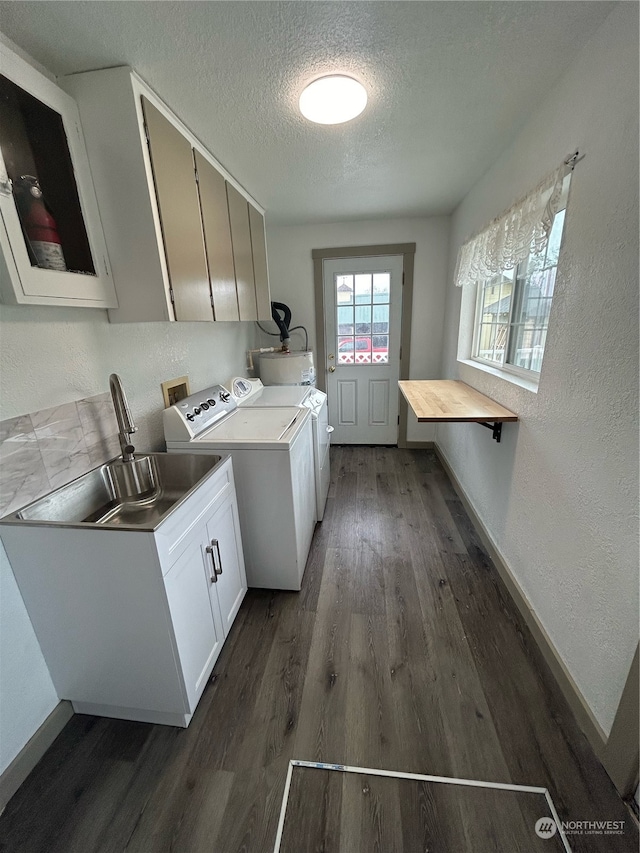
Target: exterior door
{"x":362,"y":322}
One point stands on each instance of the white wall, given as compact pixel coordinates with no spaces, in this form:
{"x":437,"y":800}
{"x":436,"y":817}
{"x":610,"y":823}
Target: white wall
{"x":51,"y":356}
{"x":55,"y":355}
{"x":291,"y":275}
{"x":560,"y":493}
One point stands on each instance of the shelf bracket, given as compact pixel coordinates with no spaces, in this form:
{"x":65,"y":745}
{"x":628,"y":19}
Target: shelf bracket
{"x":496,"y":428}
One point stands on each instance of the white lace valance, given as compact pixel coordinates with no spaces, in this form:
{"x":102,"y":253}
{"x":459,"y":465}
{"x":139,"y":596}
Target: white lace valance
{"x":512,"y":236}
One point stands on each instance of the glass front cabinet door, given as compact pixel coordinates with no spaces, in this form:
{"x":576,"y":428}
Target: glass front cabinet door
{"x":51,"y":240}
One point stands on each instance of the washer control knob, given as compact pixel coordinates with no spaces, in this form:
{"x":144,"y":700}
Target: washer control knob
{"x":224,"y":396}
{"x":211,"y":402}
{"x":189,"y":416}
{"x":197,"y":410}
{"x":204,"y":406}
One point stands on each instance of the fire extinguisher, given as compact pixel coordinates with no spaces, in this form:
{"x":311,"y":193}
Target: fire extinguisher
{"x":39,"y":225}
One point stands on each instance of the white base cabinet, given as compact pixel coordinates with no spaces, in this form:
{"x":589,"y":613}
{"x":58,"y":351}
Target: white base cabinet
{"x":131,"y":623}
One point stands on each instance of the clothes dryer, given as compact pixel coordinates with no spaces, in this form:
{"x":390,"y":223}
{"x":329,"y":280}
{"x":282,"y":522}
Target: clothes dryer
{"x":253,"y":394}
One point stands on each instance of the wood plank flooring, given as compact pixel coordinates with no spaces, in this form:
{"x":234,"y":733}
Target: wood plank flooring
{"x":403,"y":651}
{"x":340,"y":812}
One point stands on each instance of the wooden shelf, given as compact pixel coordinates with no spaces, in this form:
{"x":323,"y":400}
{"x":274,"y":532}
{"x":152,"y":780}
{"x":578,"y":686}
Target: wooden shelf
{"x":453,"y":401}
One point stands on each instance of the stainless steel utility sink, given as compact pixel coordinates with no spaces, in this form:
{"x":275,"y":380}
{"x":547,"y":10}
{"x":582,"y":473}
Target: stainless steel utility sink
{"x":138,"y":494}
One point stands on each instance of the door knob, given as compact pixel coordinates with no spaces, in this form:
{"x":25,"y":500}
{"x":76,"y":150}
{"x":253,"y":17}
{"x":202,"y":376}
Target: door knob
{"x":332,"y":369}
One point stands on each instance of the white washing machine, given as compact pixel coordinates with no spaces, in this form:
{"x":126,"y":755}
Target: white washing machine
{"x":273,"y":467}
{"x":252,"y":393}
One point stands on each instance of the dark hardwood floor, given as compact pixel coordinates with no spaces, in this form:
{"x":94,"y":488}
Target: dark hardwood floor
{"x":360,"y":811}
{"x":403,"y":651}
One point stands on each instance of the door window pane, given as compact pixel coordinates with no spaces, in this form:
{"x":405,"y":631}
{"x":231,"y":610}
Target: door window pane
{"x":381,"y":319}
{"x":380,"y":350}
{"x":344,"y":289}
{"x":363,"y":350}
{"x":346,"y":350}
{"x":363,"y":288}
{"x":381,"y":287}
{"x":363,"y":319}
{"x":345,"y":321}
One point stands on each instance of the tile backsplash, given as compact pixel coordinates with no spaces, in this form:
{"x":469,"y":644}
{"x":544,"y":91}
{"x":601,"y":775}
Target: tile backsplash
{"x":44,"y":450}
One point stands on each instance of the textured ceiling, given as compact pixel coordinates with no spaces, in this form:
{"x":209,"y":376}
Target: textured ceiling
{"x":449,"y":84}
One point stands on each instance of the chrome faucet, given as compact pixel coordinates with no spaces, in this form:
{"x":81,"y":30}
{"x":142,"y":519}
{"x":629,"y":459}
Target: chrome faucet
{"x":126,"y":425}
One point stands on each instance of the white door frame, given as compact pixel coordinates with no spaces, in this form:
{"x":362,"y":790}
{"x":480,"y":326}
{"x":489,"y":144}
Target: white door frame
{"x":407,"y":250}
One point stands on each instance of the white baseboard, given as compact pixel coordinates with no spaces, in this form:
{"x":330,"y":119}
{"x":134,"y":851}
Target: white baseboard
{"x":417,"y":445}
{"x":32,"y":751}
{"x":578,"y":704}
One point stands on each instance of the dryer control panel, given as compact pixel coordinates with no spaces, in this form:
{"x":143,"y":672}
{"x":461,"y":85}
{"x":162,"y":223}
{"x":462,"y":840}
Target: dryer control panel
{"x":243,"y":389}
{"x":197,"y":413}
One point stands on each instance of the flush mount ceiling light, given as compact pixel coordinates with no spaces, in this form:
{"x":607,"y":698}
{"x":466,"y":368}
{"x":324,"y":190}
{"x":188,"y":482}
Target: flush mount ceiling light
{"x":333,"y":99}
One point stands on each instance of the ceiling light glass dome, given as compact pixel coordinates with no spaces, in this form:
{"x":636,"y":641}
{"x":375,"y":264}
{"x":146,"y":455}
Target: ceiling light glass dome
{"x":333,"y":99}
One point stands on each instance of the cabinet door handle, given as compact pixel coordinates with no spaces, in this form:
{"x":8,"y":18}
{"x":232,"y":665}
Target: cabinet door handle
{"x":216,"y":545}
{"x":214,"y":577}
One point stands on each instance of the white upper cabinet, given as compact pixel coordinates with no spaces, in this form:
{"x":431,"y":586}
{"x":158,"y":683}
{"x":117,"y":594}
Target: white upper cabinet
{"x":217,"y":236}
{"x":167,"y":218}
{"x":242,"y":258}
{"x":259,"y":254}
{"x":179,"y":211}
{"x":52,"y":248}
